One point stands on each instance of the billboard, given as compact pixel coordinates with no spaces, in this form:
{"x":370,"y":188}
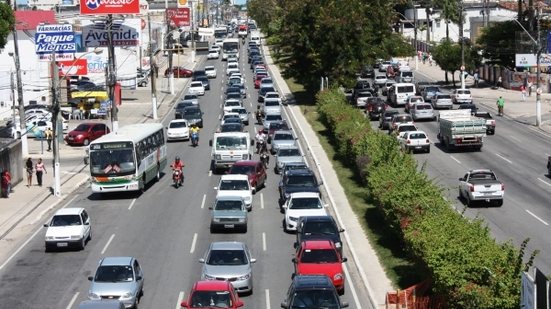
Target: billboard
{"x":178,"y":17}
{"x":529,"y":60}
{"x":98,"y":7}
{"x":126,"y":33}
{"x":55,"y":39}
{"x":76,"y":67}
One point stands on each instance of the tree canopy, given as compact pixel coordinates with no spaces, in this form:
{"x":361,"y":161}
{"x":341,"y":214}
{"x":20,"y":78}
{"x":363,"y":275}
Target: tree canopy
{"x":7,"y":20}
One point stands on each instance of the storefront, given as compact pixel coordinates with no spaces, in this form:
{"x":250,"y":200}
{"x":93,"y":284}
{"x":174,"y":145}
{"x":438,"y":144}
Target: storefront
{"x":90,"y":105}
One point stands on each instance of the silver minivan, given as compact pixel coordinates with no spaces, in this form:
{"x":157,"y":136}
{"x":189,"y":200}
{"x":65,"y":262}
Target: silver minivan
{"x":101,"y":304}
{"x":422,"y":111}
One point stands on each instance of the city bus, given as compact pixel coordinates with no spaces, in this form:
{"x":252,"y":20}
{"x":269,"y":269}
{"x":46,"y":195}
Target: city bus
{"x":128,"y":159}
{"x":220,"y":32}
{"x":230,"y":46}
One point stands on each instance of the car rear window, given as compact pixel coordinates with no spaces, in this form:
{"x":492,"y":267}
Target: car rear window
{"x":423,"y":106}
{"x":417,"y":136}
{"x":444,"y":96}
{"x":401,"y":89}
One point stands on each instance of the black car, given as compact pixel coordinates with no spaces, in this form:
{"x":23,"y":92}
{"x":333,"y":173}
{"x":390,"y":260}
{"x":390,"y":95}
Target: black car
{"x":386,"y":118}
{"x":252,"y":54}
{"x":198,"y":73}
{"x":367,"y":72}
{"x":192,"y":114}
{"x":297,"y":181}
{"x":317,"y":291}
{"x":319,"y":228}
{"x":231,"y":127}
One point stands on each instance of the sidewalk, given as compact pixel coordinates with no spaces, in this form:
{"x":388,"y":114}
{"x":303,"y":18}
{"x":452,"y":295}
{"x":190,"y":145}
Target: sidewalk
{"x":26,"y":206}
{"x":521,"y":111}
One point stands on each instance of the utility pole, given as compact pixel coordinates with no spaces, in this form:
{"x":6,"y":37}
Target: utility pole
{"x":12,"y":85}
{"x":111,"y":74}
{"x":538,"y":56}
{"x":152,"y":71}
{"x":169,"y":47}
{"x":462,"y":46}
{"x":415,"y":36}
{"x":55,"y":124}
{"x":194,"y":36}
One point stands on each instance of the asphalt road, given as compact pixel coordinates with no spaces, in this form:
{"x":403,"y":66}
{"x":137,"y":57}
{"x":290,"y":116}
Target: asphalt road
{"x":518,"y":156}
{"x":167,"y":230}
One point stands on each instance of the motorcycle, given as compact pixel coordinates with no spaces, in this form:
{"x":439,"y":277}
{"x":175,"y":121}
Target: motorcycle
{"x":261,"y":147}
{"x":265,"y":159}
{"x":177,"y":178}
{"x":258,"y":116}
{"x":194,"y":139}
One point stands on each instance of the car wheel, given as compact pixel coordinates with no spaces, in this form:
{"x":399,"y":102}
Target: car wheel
{"x":90,"y":235}
{"x":244,"y":229}
{"x":86,"y":142}
{"x":468,"y":201}
{"x":428,"y":149}
{"x":499,"y":203}
{"x":82,"y":244}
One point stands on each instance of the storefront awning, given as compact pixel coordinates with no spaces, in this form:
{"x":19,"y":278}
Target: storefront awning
{"x":90,"y":94}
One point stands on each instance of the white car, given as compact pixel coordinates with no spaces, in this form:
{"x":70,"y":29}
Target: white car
{"x":210,"y":71}
{"x":461,"y":96}
{"x":232,"y":67}
{"x":380,"y":80}
{"x":196,"y":88}
{"x":178,"y":129}
{"x":414,"y":141}
{"x":228,"y":115}
{"x":68,"y":227}
{"x":218,"y":42}
{"x":236,"y":185}
{"x":213,"y":54}
{"x":230,"y":104}
{"x":302,"y":204}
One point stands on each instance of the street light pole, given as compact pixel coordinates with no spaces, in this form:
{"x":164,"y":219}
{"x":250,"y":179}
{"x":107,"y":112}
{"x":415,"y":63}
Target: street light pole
{"x":193,"y":35}
{"x":55,"y":125}
{"x":111,"y":74}
{"x":462,"y":46}
{"x":152,"y":70}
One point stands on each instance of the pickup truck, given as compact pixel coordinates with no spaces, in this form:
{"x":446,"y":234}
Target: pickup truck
{"x":490,"y":122}
{"x":481,"y":185}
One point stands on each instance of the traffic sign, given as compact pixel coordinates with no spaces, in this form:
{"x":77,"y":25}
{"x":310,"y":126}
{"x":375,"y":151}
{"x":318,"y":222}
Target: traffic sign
{"x":182,"y":3}
{"x":462,"y":68}
{"x":55,"y":39}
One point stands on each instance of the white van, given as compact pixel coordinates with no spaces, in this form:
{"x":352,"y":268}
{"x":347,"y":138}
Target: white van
{"x":230,"y":147}
{"x":405,"y":76}
{"x":255,"y":37}
{"x":400,"y":92}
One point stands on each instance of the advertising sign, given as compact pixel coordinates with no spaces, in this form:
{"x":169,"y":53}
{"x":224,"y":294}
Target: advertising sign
{"x":97,"y":7}
{"x":55,"y":39}
{"x":58,"y":57}
{"x":125,"y":33}
{"x":178,"y":17}
{"x":529,"y":60}
{"x":76,"y":67}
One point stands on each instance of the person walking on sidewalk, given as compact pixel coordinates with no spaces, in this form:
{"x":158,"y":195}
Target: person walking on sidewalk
{"x":49,"y":137}
{"x":6,"y":184}
{"x":499,"y":82}
{"x":476,"y":79}
{"x":29,"y":170}
{"x":523,"y":92}
{"x":530,"y":88}
{"x":500,"y":104}
{"x":40,"y":170}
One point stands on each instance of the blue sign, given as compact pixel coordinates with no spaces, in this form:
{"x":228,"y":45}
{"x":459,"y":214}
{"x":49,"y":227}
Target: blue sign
{"x":55,"y":39}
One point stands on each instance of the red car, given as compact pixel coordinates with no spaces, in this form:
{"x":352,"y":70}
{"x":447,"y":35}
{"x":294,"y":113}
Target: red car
{"x":252,"y":168}
{"x":212,"y":294}
{"x":179,"y":72}
{"x":320,"y":257}
{"x":86,"y":132}
{"x":257,"y":80}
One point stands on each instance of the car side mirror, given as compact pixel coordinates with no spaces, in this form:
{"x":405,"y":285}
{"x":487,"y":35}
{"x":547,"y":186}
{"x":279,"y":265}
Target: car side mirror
{"x":138,"y":278}
{"x":253,"y":260}
{"x":344,"y":305}
{"x":90,"y":278}
{"x":284,"y":305}
{"x":184,"y":304}
{"x":210,"y":143}
{"x":87,"y":223}
{"x":294,"y":260}
{"x":341,"y":230}
{"x":45,"y":225}
{"x":344,"y":260}
{"x":295,"y":245}
{"x":201,"y":260}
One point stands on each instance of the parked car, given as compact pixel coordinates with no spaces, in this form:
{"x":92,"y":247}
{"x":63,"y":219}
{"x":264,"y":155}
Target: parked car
{"x":86,"y":132}
{"x":481,"y":185}
{"x":254,"y":169}
{"x":119,"y":278}
{"x":68,"y":227}
{"x":179,"y":72}
{"x":414,"y":141}
{"x":319,"y":228}
{"x":228,"y":212}
{"x":236,"y":185}
{"x":297,"y":180}
{"x":441,"y":100}
{"x":302,"y":204}
{"x":222,"y":294}
{"x":177,"y":129}
{"x":316,"y":290}
{"x":229,"y":261}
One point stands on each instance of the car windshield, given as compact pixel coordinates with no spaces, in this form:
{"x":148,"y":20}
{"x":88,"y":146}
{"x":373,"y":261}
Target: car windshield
{"x":65,"y":220}
{"x":227,"y":257}
{"x":276,"y":117}
{"x":444,"y":96}
{"x":242,"y":169}
{"x":177,"y":124}
{"x":305,"y":203}
{"x":82,"y":127}
{"x":231,"y":142}
{"x":183,"y":105}
{"x":290,"y":152}
{"x":316,"y":228}
{"x":228,"y":205}
{"x":112,"y":162}
{"x":319,"y":256}
{"x":234,"y":185}
{"x":232,"y":103}
{"x":271,"y":103}
{"x":301,"y":181}
{"x":210,"y":299}
{"x":283,"y":137}
{"x":417,"y":136}
{"x":190,"y":97}
{"x":114,"y":273}
{"x":406,"y":128}
{"x":314,"y":299}
{"x":231,"y":127}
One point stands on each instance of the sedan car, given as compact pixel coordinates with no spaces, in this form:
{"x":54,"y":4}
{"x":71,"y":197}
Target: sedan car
{"x":282,"y":139}
{"x":228,"y":212}
{"x":179,"y":72}
{"x":302,"y":204}
{"x":287,"y":155}
{"x":210,"y":71}
{"x":319,"y":228}
{"x":269,"y":118}
{"x":229,"y":261}
{"x":380,"y":80}
{"x":86,"y":132}
{"x":191,"y":96}
{"x":197,"y":87}
{"x":117,"y":278}
{"x":243,"y":114}
{"x":213,"y":54}
{"x":236,"y":185}
{"x":316,"y":290}
{"x":212,"y":294}
{"x":68,"y":227}
{"x":422,"y":111}
{"x":177,"y":129}
{"x":412,"y":100}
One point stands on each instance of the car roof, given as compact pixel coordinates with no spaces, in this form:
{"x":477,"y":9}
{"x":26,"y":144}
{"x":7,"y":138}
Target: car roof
{"x":100,"y":304}
{"x":304,"y":195}
{"x":312,"y":281}
{"x":417,"y":132}
{"x":209,"y":285}
{"x":178,"y":120}
{"x":234,"y":177}
{"x":209,"y":67}
{"x":69,"y":211}
{"x":326,"y":218}
{"x":283,"y":132}
{"x":318,"y":244}
{"x":116,"y":260}
{"x":300,"y":172}
{"x":229,"y":198}
{"x":227,"y":245}
{"x":246,"y":163}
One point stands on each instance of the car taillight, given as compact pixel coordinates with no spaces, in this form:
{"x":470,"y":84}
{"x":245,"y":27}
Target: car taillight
{"x":502,"y":187}
{"x":408,"y":141}
{"x":471,"y":188}
{"x":493,"y":122}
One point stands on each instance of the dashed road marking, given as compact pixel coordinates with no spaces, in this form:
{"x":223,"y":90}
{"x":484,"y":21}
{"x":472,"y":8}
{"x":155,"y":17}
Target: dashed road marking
{"x":203,"y":202}
{"x":108,"y":243}
{"x":193,"y":243}
{"x":132,"y":204}
{"x":267,"y":292}
{"x":538,"y":218}
{"x":459,"y":162}
{"x":261,"y":201}
{"x":505,"y":159}
{"x":545,"y":182}
{"x":264,"y":247}
{"x":180,"y":298}
{"x":73,"y":299}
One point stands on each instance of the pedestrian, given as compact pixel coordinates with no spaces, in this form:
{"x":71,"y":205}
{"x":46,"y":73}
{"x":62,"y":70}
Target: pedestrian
{"x":523,"y":92}
{"x":49,"y":137}
{"x":424,"y":57}
{"x":40,"y":170}
{"x":500,"y":104}
{"x":430,"y":59}
{"x":29,"y":170}
{"x":6,"y":184}
{"x":530,"y":85}
{"x":499,"y":82}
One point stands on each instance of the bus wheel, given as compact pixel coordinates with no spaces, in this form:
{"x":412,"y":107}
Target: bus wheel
{"x":158,"y":176}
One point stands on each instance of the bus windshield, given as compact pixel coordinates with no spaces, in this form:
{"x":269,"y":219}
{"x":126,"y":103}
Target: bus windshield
{"x":230,"y":47}
{"x":231,"y":143}
{"x":220,"y":32}
{"x":112,"y":162}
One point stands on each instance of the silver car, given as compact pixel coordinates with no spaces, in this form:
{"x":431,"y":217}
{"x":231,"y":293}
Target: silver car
{"x":228,"y":212}
{"x":229,"y":261}
{"x":287,"y":155}
{"x":441,"y":100}
{"x":191,"y":96}
{"x":282,"y":138}
{"x":117,"y":278}
{"x":243,"y":114}
{"x":422,"y":111}
{"x":270,"y":118}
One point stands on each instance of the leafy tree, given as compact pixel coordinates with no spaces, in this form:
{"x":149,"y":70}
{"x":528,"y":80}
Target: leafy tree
{"x":7,"y":21}
{"x":497,"y":43}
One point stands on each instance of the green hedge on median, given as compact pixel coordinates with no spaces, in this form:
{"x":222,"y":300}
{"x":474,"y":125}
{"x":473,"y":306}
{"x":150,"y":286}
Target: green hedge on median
{"x":468,"y":267}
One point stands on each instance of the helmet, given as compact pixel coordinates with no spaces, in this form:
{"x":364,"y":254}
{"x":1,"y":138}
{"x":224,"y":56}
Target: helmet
{"x":260,"y":131}
{"x":177,"y":158}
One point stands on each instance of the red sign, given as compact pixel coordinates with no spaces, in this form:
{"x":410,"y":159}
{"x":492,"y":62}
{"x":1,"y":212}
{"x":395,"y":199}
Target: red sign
{"x":97,"y":7}
{"x":76,"y":67}
{"x":178,"y":17}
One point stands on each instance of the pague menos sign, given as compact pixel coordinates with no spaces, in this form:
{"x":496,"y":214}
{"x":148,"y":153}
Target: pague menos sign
{"x":55,"y":39}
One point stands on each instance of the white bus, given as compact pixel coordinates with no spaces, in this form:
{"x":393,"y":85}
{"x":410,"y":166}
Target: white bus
{"x":128,"y":159}
{"x":230,"y":46}
{"x":220,"y":32}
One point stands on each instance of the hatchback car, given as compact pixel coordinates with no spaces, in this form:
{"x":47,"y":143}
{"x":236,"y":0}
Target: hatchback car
{"x":177,"y":129}
{"x":212,"y":294}
{"x":414,"y":141}
{"x":68,"y":227}
{"x":286,"y":155}
{"x":399,"y":119}
{"x":441,"y":100}
{"x":302,"y":204}
{"x":255,"y":170}
{"x":229,"y":261}
{"x":228,"y":212}
{"x":197,"y":87}
{"x":319,"y":228}
{"x":117,"y":278}
{"x":317,"y":291}
{"x":236,"y":185}
{"x":179,"y":72}
{"x":422,"y":111}
{"x":86,"y":132}
{"x":210,"y":71}
{"x":213,"y":54}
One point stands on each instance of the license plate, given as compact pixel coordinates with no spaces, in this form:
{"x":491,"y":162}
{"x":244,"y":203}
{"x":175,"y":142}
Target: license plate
{"x":62,"y":244}
{"x":70,"y":138}
{"x":229,"y":226}
{"x":488,"y":193}
{"x":418,"y":147}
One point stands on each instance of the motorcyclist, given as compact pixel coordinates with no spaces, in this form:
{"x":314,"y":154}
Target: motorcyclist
{"x":195,"y":129}
{"x":265,"y":157}
{"x":177,"y":164}
{"x":260,"y":140}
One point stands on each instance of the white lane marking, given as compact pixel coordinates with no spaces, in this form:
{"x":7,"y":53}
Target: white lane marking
{"x":108,"y":243}
{"x":267,"y":292}
{"x":545,"y":182}
{"x":132,"y":204}
{"x":264,"y":241}
{"x":71,"y":303}
{"x":505,"y":159}
{"x":193,"y":243}
{"x":352,"y":288}
{"x":203,"y":202}
{"x":261,"y":201}
{"x":210,"y":173}
{"x":514,"y":138}
{"x":251,"y":103}
{"x":220,"y":105}
{"x":20,"y":248}
{"x":538,"y":218}
{"x":180,"y":298}
{"x":459,"y":162}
